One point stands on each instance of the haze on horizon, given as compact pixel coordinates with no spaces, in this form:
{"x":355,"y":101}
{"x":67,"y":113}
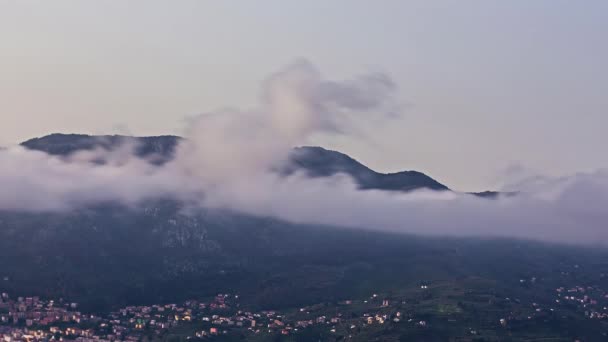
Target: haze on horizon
{"x":482,"y":85}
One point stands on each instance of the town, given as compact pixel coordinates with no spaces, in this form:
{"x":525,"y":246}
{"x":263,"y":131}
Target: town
{"x":33,"y":319}
{"x":36,"y":319}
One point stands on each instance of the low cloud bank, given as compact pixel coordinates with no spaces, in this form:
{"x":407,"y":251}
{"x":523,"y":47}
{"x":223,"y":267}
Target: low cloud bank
{"x":228,"y":158}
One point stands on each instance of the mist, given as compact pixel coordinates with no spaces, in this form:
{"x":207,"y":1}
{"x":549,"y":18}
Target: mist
{"x":230,"y":158}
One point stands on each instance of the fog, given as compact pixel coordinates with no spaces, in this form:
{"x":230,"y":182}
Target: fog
{"x":229,"y":160}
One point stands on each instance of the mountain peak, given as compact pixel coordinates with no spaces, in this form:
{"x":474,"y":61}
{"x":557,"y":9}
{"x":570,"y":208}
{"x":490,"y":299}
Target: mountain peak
{"x":320,"y":162}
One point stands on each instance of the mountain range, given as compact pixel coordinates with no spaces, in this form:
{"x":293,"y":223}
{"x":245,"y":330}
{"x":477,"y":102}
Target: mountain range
{"x":109,"y":255}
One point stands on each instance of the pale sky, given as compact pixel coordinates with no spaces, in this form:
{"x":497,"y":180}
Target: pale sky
{"x":486,"y":84}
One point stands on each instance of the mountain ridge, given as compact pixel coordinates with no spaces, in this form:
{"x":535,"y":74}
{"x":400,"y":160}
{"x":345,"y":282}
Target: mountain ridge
{"x":314,"y":160}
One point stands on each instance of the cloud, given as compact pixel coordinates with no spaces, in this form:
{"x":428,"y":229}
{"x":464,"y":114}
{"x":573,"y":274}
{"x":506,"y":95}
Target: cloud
{"x":35,"y":181}
{"x":296,"y":102}
{"x":228,"y":158}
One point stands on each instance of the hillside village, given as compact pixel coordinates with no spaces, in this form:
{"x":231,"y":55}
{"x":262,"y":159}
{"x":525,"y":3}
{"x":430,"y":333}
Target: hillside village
{"x":36,"y":319}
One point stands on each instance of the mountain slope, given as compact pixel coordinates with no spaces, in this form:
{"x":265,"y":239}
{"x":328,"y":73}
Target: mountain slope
{"x":110,"y":256}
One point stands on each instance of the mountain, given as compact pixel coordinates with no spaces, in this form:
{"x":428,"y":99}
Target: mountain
{"x":315,"y":161}
{"x":109,"y":256}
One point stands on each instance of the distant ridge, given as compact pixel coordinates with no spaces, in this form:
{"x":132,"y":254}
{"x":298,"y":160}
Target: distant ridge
{"x":65,"y":144}
{"x":315,"y":161}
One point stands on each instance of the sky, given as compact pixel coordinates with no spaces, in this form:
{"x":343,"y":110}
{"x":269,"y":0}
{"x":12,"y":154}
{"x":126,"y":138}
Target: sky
{"x":483,"y":86}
